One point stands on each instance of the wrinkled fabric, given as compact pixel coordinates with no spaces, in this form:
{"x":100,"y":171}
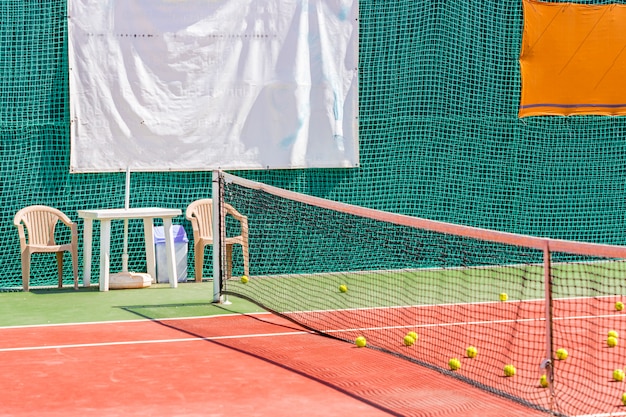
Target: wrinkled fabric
{"x":573,"y":59}
{"x":159,"y":85}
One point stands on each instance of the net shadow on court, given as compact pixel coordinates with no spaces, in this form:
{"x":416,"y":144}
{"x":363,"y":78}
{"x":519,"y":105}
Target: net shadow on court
{"x":372,"y":376}
{"x":196,"y":332}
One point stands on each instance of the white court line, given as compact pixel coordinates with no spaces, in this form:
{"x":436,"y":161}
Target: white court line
{"x":213,"y":316}
{"x":139,"y":342}
{"x":216,"y":316}
{"x":465,"y":323}
{"x":616,"y":414}
{"x":193,"y":339}
{"x":419,"y":306}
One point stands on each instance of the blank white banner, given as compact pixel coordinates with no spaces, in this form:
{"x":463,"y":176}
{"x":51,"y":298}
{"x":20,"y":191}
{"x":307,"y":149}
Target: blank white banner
{"x":159,"y":85}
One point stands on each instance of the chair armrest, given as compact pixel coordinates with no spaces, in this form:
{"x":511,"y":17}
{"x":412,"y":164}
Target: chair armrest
{"x":240,"y":217}
{"x":233,"y":212}
{"x":66,"y":220}
{"x":74,"y":229}
{"x":244,"y":226}
{"x":69,"y":223}
{"x":194,"y":225}
{"x":22,"y":233}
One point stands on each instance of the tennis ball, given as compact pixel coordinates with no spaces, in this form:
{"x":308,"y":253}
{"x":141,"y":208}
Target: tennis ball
{"x":361,"y":341}
{"x":618,"y":375}
{"x":613,"y":333}
{"x":343,"y":288}
{"x":624,"y":398}
{"x":408,"y":340}
{"x":504,"y":296}
{"x":611,"y":341}
{"x":413,"y":335}
{"x":454,"y":364}
{"x":471,"y":351}
{"x":244,"y":279}
{"x":509,"y":370}
{"x":543,"y":381}
{"x":562,"y":354}
{"x":619,"y":306}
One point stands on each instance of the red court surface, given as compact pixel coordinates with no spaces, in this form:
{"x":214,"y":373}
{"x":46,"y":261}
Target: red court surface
{"x":254,"y":365}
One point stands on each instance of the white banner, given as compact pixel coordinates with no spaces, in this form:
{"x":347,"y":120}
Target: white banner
{"x":182,"y":85}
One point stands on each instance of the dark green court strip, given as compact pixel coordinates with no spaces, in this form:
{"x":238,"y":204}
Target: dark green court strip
{"x":53,"y":306}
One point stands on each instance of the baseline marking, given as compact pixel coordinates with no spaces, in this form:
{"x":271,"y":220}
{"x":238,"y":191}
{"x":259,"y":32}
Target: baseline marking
{"x":465,"y":323}
{"x":139,"y":342}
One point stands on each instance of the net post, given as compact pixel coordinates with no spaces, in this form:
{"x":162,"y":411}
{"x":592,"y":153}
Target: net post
{"x":217,"y":196}
{"x":547,"y":274}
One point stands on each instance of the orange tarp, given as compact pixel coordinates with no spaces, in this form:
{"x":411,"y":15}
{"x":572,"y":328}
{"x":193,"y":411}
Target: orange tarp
{"x":573,"y":59}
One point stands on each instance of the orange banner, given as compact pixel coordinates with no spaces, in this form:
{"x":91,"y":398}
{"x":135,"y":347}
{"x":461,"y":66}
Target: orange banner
{"x":573,"y":59}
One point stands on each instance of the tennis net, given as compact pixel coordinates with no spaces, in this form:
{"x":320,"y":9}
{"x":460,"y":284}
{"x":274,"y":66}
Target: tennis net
{"x":348,"y":271}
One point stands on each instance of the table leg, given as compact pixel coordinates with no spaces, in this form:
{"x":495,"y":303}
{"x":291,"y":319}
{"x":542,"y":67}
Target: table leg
{"x":87,"y":243}
{"x":105,"y":253}
{"x":148,"y":232}
{"x":170,"y":252}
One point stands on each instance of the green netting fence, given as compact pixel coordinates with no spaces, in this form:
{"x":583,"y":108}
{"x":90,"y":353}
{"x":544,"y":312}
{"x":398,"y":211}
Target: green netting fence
{"x":439,"y":135}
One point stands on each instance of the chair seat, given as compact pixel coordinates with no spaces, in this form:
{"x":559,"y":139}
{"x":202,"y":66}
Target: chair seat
{"x":235,"y":240}
{"x":45,"y":248}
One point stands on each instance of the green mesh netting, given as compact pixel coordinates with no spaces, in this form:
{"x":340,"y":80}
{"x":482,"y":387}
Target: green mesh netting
{"x":448,"y":287}
{"x":439,"y":135}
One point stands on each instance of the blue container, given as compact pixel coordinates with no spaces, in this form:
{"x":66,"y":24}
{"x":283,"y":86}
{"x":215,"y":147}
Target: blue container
{"x":180,"y":252}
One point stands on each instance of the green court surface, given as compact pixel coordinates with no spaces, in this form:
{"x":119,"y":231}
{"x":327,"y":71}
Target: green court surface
{"x":54,"y":306}
{"x":393,"y":288}
{"x":429,"y":286}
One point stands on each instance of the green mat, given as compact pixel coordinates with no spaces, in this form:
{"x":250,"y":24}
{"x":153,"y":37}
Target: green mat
{"x":439,"y":136}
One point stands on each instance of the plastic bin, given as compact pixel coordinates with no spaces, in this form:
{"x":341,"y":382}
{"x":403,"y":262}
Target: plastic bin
{"x":180,"y":253}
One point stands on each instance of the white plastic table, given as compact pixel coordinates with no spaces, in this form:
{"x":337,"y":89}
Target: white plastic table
{"x":147,"y":214}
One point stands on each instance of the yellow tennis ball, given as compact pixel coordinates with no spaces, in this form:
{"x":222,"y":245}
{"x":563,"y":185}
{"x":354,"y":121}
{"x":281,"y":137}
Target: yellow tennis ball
{"x":244,"y":279}
{"x":361,"y":341}
{"x":611,"y":341}
{"x":618,"y":375}
{"x":562,"y":354}
{"x":504,"y":296}
{"x":619,"y":306}
{"x":343,"y":288}
{"x":613,"y":333}
{"x":471,"y":352}
{"x":509,"y":370}
{"x":624,"y":398}
{"x":408,"y":340}
{"x":413,"y":335}
{"x":454,"y":364}
{"x":543,"y":381}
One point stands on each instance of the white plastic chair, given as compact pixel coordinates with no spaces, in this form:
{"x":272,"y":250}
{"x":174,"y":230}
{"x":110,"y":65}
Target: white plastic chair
{"x":200,"y":213}
{"x":36,"y":226}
